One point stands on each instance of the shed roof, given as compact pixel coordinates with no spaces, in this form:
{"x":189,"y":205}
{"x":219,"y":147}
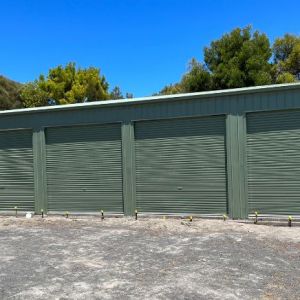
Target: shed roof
{"x":142,"y":100}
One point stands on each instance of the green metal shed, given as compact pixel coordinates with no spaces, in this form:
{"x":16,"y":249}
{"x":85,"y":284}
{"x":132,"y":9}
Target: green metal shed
{"x":231,"y":151}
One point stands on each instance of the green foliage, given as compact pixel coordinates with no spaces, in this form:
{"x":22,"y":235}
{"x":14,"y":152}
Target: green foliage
{"x":283,"y":47}
{"x":128,"y":95}
{"x":239,"y":59}
{"x":170,"y":90}
{"x":66,"y":85}
{"x":116,"y":93}
{"x":287,"y":58}
{"x":9,"y":94}
{"x":33,"y":95}
{"x":285,"y":77}
{"x":197,"y":78}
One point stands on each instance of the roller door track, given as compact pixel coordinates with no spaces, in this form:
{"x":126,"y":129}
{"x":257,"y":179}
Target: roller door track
{"x":84,"y":168}
{"x":16,"y":170}
{"x":180,"y":166}
{"x":273,"y":141}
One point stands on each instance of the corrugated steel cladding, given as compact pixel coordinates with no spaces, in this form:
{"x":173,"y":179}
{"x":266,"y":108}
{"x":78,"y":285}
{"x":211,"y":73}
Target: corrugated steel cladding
{"x":16,"y":170}
{"x":181,"y":165}
{"x":274,"y":162}
{"x":84,"y":168}
{"x":244,"y":146}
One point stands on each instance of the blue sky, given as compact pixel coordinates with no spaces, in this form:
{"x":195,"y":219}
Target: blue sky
{"x":139,"y":45}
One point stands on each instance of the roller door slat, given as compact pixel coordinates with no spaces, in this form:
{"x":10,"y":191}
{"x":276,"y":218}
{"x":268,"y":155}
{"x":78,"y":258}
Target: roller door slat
{"x":16,"y":170}
{"x":273,"y":143}
{"x":84,"y":168}
{"x":180,"y":166}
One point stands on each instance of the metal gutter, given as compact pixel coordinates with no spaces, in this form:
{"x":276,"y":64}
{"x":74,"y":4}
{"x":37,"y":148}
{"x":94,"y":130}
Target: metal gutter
{"x":154,"y":99}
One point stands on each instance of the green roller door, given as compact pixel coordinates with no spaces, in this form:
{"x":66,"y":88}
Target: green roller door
{"x":16,"y":170}
{"x":84,"y":168}
{"x":273,"y":142}
{"x":180,"y":166}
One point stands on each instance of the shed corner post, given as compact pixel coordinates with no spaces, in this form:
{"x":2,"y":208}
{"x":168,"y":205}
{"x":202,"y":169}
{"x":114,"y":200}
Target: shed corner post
{"x":128,"y":168}
{"x":39,"y":166}
{"x":236,"y":138}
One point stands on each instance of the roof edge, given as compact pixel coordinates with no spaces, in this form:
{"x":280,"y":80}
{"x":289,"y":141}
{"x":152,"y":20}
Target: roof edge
{"x":150,"y":99}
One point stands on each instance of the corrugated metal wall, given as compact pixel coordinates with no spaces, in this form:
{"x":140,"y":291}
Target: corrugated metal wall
{"x":63,"y":181}
{"x":16,"y":170}
{"x":274,"y":162}
{"x":223,"y":102}
{"x":181,"y":166}
{"x":84,"y":168}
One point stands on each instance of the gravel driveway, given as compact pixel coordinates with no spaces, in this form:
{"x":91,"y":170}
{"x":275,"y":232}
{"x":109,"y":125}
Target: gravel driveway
{"x":120,"y":258}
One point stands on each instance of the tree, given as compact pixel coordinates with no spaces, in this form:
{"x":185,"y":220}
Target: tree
{"x":170,"y":89}
{"x":65,"y":85}
{"x":196,"y":79}
{"x":129,"y":95}
{"x":285,"y":77}
{"x":286,"y":52}
{"x":239,"y":59}
{"x":116,"y":93}
{"x":33,"y":95}
{"x":9,"y":94}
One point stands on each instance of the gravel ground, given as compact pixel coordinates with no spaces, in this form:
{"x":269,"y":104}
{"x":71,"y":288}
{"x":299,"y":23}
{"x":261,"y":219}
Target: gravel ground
{"x":120,"y":258}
